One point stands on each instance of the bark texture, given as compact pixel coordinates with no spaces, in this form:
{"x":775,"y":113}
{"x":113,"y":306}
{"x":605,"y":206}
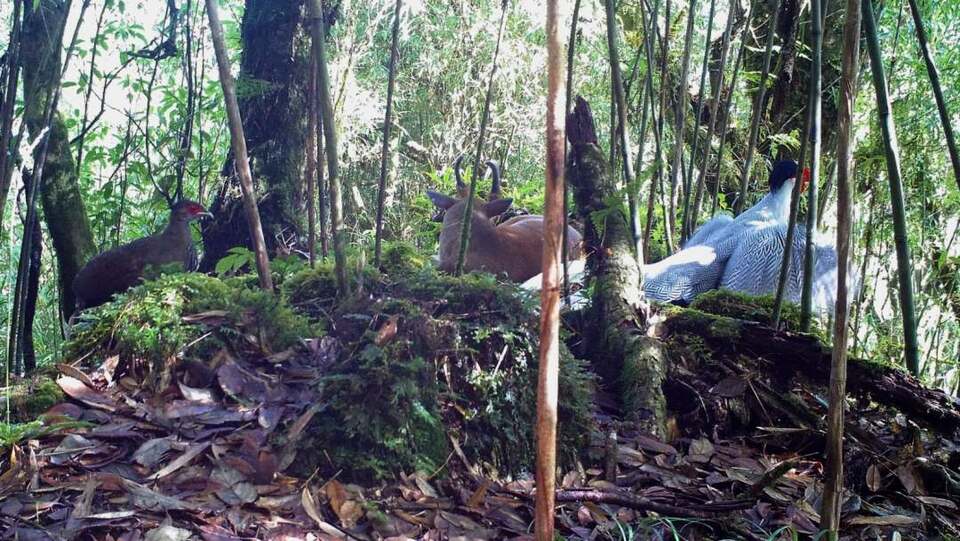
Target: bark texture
{"x":621,"y":352}
{"x":60,"y":197}
{"x":272,"y":93}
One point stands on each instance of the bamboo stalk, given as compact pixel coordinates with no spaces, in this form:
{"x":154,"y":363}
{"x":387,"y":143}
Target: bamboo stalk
{"x":729,"y":106}
{"x":382,"y":191}
{"x":571,"y":55}
{"x":317,"y":30}
{"x":833,"y":475}
{"x":681,"y":109}
{"x":934,"y":76}
{"x":468,"y":211}
{"x":649,"y":25}
{"x":701,"y":100}
{"x":816,"y":84}
{"x":7,"y":108}
{"x":311,"y":172}
{"x":621,"y":107}
{"x":664,"y":89}
{"x":712,"y":124}
{"x":892,"y":152}
{"x":758,"y":108}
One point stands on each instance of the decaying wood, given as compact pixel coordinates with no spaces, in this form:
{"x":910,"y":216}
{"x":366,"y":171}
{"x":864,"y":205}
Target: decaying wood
{"x":621,"y":352}
{"x":804,"y":354}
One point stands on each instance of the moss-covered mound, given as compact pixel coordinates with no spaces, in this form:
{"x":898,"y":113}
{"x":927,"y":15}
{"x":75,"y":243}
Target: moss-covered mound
{"x":413,"y":371}
{"x":29,"y":398}
{"x":436,"y":366}
{"x":159,"y":318}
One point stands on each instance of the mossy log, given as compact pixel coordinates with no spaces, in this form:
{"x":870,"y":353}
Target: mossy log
{"x":807,"y":356}
{"x":621,"y":352}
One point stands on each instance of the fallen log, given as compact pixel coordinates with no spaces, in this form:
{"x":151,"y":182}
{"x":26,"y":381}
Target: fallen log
{"x":805,"y":354}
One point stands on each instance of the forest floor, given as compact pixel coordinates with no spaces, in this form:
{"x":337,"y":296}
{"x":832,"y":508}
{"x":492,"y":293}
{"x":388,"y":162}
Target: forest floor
{"x":209,"y":455}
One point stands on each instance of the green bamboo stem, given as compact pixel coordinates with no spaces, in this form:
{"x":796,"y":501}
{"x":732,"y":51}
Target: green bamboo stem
{"x":729,"y":106}
{"x":816,"y":85}
{"x":934,"y":76}
{"x":701,"y":100}
{"x":681,"y":117}
{"x":468,"y":211}
{"x":758,"y":108}
{"x":712,"y":124}
{"x":892,"y":152}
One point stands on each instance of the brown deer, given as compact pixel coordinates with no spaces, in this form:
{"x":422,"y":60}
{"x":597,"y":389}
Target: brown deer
{"x":513,"y":248}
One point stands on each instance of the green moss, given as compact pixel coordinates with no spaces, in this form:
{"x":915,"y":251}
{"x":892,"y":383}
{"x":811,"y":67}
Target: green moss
{"x":30,"y":398}
{"x":724,"y":302}
{"x":401,"y":259}
{"x":462,"y":365}
{"x":313,"y":292}
{"x":148,"y":321}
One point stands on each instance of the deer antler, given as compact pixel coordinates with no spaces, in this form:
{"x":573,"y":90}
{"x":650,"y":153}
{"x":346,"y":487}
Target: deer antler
{"x":462,"y":189}
{"x":495,"y":181}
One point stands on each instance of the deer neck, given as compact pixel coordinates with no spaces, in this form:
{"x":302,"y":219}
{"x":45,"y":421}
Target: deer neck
{"x":483,"y":236}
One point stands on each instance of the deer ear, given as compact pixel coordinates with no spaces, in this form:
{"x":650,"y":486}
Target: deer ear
{"x":441,"y":201}
{"x":497,"y":207}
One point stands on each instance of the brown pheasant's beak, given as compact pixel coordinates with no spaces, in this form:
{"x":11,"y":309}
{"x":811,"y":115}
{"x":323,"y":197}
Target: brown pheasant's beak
{"x":205,"y":214}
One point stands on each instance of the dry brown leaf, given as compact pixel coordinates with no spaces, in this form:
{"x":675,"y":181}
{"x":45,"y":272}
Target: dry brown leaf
{"x":336,"y":494}
{"x":76,"y":389}
{"x":874,"y":479}
{"x":477,"y":498}
{"x":180,"y":461}
{"x":387,"y":331}
{"x":888,"y":520}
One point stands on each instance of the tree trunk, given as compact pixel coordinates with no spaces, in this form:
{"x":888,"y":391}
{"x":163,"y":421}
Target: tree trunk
{"x":549,"y":366}
{"x":622,"y":353}
{"x":238,"y":145}
{"x":789,"y":25}
{"x":60,"y":197}
{"x":30,"y":303}
{"x":273,"y":105}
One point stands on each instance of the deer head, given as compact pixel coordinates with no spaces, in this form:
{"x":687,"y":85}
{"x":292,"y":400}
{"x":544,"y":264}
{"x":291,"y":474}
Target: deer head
{"x":514,"y":248}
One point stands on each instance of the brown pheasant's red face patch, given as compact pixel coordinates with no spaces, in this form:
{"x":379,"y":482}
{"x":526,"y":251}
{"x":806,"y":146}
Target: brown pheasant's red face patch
{"x":196,"y":209}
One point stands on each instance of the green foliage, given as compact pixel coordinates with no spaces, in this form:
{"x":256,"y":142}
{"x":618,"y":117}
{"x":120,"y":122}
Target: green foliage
{"x":237,"y":258}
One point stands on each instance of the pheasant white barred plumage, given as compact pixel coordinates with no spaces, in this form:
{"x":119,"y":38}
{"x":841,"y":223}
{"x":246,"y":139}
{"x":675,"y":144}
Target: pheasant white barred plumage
{"x":744,"y":254}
